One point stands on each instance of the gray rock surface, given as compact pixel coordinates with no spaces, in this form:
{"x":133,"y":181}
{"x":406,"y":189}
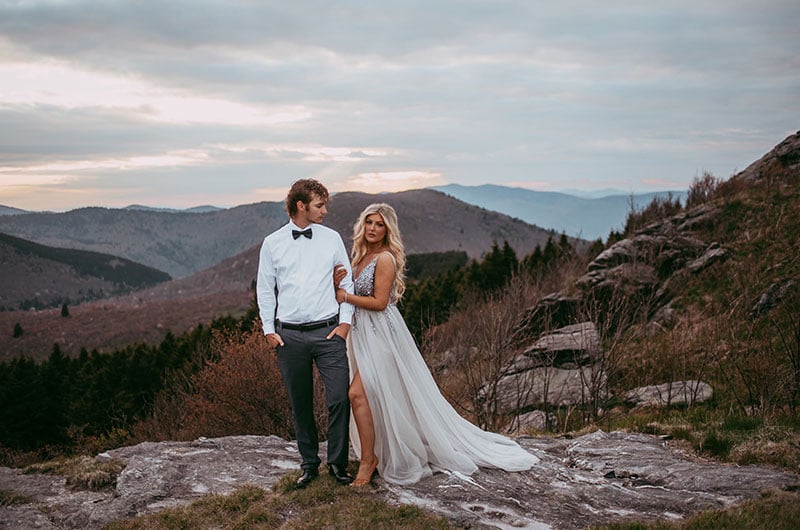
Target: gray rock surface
{"x":574,"y":344}
{"x":594,"y":479}
{"x":674,"y":393}
{"x":551,"y":386}
{"x":559,"y":368}
{"x":713,"y":254}
{"x":774,"y":294}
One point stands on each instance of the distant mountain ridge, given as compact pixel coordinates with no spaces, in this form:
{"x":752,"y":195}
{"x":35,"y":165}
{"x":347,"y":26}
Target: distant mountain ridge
{"x":205,"y":208}
{"x":586,"y":218}
{"x":9,"y":210}
{"x":183,"y":243}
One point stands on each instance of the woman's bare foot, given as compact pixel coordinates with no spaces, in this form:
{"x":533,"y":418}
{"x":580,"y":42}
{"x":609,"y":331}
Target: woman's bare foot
{"x":367,"y":469}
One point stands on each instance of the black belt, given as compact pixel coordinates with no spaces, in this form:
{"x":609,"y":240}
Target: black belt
{"x":309,"y":326}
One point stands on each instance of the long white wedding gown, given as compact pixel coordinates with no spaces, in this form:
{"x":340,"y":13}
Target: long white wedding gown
{"x":417,"y":431}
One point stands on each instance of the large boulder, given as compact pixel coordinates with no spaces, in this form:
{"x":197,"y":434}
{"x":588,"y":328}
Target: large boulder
{"x":549,"y":386}
{"x":565,"y":347}
{"x":559,"y":368}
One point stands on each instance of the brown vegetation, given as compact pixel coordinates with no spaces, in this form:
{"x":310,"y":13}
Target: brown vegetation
{"x":237,"y":390}
{"x":109,"y":324}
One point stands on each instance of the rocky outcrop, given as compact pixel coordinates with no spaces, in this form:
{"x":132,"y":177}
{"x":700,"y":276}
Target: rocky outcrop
{"x":560,"y":368}
{"x":594,"y":479}
{"x":785,"y":155}
{"x":636,"y":265}
{"x":713,"y":254}
{"x":771,"y":297}
{"x":561,"y":358}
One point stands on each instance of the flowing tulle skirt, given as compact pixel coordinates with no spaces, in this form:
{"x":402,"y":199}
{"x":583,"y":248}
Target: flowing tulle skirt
{"x":417,"y":431}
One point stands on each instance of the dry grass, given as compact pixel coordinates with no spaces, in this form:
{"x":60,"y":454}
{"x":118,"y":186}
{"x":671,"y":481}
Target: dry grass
{"x":776,"y":510}
{"x":106,"y":325}
{"x":323,"y":504}
{"x":12,"y":498}
{"x":82,"y":472}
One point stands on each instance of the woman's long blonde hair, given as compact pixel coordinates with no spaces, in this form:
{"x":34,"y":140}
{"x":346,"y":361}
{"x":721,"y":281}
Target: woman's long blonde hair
{"x":392,"y":240}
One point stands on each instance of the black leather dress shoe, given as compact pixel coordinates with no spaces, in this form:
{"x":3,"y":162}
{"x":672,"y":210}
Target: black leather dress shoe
{"x":340,"y":474}
{"x":306,"y":478}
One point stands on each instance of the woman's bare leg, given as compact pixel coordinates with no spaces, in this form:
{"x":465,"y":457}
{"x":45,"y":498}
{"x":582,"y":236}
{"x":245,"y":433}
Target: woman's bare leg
{"x":366,"y":432}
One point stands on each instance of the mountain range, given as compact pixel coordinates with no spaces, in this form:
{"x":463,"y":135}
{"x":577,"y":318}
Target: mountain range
{"x":182,"y":243}
{"x":9,"y":210}
{"x":581,"y":214}
{"x":213,"y":256}
{"x":582,"y":217}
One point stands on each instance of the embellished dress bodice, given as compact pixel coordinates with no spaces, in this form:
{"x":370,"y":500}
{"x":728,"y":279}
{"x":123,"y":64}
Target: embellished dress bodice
{"x":365,"y":281}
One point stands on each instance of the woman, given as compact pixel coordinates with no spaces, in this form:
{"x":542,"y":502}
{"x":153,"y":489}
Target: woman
{"x":405,"y":428}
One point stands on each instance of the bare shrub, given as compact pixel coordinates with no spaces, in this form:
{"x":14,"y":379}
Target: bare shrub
{"x":168,"y":416}
{"x":475,"y":349}
{"x":614,"y":316}
{"x":658,"y":209}
{"x":758,"y":382}
{"x":238,"y":391}
{"x":242,"y":392}
{"x":683,"y":353}
{"x":786,"y":347}
{"x":478,"y":344}
{"x":702,"y":190}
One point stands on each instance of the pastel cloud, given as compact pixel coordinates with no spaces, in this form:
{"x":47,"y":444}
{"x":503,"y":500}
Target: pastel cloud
{"x":235,"y":100}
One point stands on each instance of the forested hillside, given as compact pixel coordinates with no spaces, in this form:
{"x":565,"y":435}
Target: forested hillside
{"x":34,"y":276}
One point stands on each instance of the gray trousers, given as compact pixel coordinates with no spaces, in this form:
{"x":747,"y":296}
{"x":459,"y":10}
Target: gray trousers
{"x":301,"y":350}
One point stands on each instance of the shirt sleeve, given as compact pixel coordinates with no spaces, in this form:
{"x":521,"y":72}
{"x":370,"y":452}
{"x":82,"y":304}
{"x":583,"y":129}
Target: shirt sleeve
{"x":265,"y":289}
{"x":345,"y":310}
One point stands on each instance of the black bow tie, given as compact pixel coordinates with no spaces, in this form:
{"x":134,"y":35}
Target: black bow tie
{"x":298,"y":233}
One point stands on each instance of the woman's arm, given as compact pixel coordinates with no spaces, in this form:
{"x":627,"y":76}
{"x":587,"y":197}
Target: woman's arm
{"x":384,"y":278}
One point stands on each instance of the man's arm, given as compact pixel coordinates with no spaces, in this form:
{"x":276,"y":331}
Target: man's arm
{"x":265,"y":294}
{"x":345,"y":310}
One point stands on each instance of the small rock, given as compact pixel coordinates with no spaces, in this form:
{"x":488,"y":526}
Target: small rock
{"x":675,"y":393}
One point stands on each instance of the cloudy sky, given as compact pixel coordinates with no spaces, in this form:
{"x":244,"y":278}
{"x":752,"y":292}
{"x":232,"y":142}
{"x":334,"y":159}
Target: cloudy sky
{"x":183,"y":103}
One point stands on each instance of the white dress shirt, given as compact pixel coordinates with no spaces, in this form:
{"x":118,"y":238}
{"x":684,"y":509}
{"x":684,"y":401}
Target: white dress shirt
{"x":302,"y":271}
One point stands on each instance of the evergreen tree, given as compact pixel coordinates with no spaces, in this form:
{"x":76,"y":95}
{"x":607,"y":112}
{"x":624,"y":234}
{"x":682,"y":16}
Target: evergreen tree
{"x":533,"y":261}
{"x":17,"y":330}
{"x":55,"y":377}
{"x":24,"y":423}
{"x":64,"y":310}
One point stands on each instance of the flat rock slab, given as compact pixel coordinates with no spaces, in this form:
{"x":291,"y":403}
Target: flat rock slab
{"x":593,"y":479}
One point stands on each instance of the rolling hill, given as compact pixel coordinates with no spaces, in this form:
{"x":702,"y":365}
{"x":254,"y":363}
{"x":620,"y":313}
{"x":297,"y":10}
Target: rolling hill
{"x":429,"y":220}
{"x":183,"y":243}
{"x":38,"y":276}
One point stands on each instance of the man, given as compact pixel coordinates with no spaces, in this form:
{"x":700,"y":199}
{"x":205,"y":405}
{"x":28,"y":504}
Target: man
{"x":305,"y":324}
